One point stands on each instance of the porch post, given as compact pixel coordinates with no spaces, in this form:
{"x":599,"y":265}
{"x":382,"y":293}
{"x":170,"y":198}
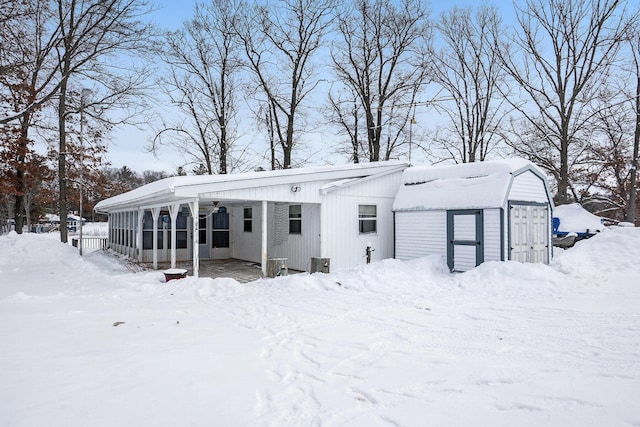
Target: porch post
{"x":155,"y":213}
{"x":139,"y":234}
{"x":195,"y":214}
{"x":264,"y":238}
{"x":173,"y":213}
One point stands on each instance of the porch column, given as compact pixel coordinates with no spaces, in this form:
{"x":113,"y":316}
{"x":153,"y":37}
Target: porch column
{"x":139,"y":234}
{"x":173,"y":213}
{"x":195,"y":214}
{"x":155,"y":213}
{"x":264,"y":238}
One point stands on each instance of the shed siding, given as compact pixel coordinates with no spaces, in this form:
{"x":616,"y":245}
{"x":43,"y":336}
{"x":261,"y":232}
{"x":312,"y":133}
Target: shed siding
{"x":528,"y":187}
{"x":492,"y":234}
{"x":341,"y":238}
{"x":420,"y":233}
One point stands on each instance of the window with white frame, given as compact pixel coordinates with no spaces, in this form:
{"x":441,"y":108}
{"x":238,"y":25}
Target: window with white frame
{"x":295,"y":219}
{"x":367,"y":218}
{"x":248,"y":220}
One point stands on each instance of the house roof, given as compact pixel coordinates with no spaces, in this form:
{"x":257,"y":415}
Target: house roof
{"x":180,"y":188}
{"x":463,"y":186}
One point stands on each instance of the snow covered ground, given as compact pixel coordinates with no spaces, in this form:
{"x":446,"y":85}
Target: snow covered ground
{"x":87,"y":342}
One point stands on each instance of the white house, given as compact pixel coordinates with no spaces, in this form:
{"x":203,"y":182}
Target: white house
{"x":327,"y":212}
{"x":474,"y":212}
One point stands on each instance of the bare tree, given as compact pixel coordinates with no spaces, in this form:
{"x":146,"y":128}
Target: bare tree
{"x":96,"y":36}
{"x":203,"y":83}
{"x":280,"y":39}
{"x":603,"y":184}
{"x":468,"y":69}
{"x":381,"y":58}
{"x":25,"y":32}
{"x":634,"y":42}
{"x":560,"y":60}
{"x":345,"y":113}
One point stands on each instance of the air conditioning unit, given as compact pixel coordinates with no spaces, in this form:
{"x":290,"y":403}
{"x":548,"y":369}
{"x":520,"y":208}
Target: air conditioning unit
{"x":320,"y":265}
{"x":277,"y":267}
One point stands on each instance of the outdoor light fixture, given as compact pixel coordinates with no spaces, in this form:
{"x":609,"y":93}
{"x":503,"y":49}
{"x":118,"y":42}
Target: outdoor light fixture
{"x":295,"y":188}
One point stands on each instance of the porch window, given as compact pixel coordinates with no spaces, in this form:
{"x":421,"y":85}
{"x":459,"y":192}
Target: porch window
{"x":181,"y":231}
{"x":147,"y":233}
{"x":295,"y":219}
{"x":248,"y":220}
{"x":367,"y":218}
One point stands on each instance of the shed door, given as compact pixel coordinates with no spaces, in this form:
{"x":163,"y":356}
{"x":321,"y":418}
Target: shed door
{"x":529,"y":233}
{"x":465,"y":248}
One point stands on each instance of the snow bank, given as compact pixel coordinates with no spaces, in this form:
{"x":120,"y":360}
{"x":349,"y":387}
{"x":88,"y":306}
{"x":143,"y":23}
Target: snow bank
{"x":30,"y":249}
{"x":391,"y":343}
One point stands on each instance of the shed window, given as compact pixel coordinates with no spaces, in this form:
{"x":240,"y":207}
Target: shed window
{"x":295,"y":219}
{"x":367,"y":218}
{"x":248,"y":220}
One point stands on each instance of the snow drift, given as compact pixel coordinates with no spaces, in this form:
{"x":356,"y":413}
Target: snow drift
{"x":87,"y":342}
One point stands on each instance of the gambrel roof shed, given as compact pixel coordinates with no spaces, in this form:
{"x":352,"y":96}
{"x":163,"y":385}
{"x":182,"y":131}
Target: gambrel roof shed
{"x":474,"y":212}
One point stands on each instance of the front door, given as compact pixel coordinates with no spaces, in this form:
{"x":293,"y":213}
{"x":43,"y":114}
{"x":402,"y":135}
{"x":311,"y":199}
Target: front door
{"x":204,"y":226}
{"x":220,"y":234}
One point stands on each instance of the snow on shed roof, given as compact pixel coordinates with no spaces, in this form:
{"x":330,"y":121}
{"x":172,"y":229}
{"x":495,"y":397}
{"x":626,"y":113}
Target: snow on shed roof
{"x":462,"y":186}
{"x":189,"y":187}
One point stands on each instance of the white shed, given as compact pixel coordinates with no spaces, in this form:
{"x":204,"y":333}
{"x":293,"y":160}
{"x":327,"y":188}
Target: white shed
{"x":322,"y":212}
{"x":474,"y":212}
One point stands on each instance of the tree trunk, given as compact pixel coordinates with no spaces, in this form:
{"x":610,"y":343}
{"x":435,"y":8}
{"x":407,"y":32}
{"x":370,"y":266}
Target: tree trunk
{"x":62,"y":165}
{"x":563,"y":181}
{"x":631,"y":209}
{"x":20,"y":171}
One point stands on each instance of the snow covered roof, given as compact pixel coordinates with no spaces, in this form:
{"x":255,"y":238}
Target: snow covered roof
{"x":190,"y":187}
{"x":462,"y":186}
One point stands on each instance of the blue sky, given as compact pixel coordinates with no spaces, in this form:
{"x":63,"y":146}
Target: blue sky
{"x":128,"y":143}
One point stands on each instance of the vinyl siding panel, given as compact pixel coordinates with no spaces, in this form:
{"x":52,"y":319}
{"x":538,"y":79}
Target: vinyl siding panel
{"x":246,"y":245}
{"x":297,"y":248}
{"x":492,"y":235}
{"x":421,"y":233}
{"x":341,"y":238}
{"x":528,"y":187}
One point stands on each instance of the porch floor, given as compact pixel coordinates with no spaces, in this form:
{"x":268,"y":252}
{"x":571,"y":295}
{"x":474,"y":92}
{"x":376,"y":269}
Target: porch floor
{"x":242,"y":271}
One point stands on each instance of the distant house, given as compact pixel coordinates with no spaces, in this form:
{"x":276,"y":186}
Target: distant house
{"x":330,"y":212}
{"x":73,"y":221}
{"x":474,"y":212}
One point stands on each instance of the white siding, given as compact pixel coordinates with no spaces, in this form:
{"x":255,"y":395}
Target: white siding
{"x":421,"y":233}
{"x":492,"y":234}
{"x":341,"y":239}
{"x":307,"y":192}
{"x":297,"y":248}
{"x":246,"y":245}
{"x":528,"y":187}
